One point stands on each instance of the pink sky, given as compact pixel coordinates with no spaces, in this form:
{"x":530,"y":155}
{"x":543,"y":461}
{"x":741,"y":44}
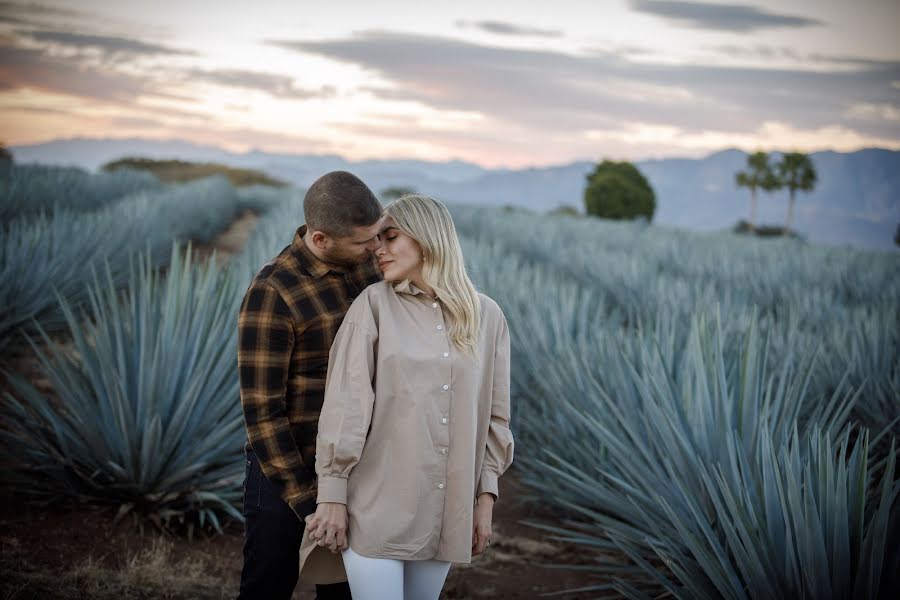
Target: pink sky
{"x":500,"y":83}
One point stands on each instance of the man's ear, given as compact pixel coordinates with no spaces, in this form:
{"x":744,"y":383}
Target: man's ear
{"x":320,"y":240}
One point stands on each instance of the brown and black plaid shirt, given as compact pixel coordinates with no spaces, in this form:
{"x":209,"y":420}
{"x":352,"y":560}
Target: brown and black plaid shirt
{"x":287,"y":322}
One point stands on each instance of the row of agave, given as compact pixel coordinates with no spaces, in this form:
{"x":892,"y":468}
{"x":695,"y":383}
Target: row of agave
{"x":55,"y":254}
{"x":29,"y":190}
{"x":152,"y":362}
{"x":845,"y":301}
{"x":698,"y":443}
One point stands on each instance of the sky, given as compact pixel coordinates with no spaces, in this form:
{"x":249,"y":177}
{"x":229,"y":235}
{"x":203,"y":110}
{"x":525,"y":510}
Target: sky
{"x":499,"y":83}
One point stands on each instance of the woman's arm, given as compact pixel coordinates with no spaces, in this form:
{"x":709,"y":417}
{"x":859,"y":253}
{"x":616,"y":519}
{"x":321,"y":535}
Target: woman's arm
{"x":498,"y":454}
{"x":343,"y":422}
{"x":347,"y":409}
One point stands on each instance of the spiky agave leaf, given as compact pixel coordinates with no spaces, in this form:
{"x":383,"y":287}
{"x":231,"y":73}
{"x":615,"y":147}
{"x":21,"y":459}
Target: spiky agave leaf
{"x":674,"y":468}
{"x":146,"y":410}
{"x":57,"y":252}
{"x":31,"y":190}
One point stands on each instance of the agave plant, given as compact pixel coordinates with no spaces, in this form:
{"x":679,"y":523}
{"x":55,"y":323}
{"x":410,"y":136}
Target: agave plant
{"x":57,"y":252}
{"x":716,"y":475}
{"x":641,"y":275}
{"x":145,"y":412}
{"x":31,"y":190}
{"x":274,"y":230}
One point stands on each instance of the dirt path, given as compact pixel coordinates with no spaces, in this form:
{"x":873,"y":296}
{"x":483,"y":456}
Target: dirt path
{"x":231,"y":240}
{"x":73,"y":552}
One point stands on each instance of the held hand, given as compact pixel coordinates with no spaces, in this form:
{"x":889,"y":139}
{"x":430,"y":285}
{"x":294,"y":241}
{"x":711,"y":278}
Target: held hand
{"x":328,"y":526}
{"x":481,"y":525}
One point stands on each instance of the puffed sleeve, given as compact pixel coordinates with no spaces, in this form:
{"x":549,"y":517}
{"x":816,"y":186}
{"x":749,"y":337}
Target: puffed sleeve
{"x":499,"y":452}
{"x":349,"y":398}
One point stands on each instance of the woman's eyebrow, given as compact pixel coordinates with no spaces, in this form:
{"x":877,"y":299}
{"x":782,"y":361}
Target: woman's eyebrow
{"x":386,"y":229}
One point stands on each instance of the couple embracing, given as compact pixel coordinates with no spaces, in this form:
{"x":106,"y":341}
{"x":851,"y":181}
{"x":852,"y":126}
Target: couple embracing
{"x":374,"y":382}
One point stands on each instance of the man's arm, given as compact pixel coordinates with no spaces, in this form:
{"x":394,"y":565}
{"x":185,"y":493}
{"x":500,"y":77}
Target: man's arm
{"x":265,"y":343}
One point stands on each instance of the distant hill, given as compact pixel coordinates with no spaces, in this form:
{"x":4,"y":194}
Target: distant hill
{"x":856,"y":201}
{"x":180,"y":171}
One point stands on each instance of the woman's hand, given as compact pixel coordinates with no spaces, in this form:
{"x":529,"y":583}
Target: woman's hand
{"x":328,"y":526}
{"x":481,"y":523}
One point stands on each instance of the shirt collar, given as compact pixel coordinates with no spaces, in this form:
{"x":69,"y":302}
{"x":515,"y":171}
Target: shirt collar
{"x":313,"y":265}
{"x":408,"y":287}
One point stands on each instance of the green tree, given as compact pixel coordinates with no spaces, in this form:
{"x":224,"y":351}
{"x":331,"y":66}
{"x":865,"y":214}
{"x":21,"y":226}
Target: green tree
{"x":758,"y":176}
{"x":796,"y":172}
{"x":618,"y":190}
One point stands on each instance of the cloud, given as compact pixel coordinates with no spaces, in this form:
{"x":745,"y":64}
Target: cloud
{"x":29,"y":108}
{"x":768,"y":52}
{"x":40,"y":15}
{"x":108,"y":45}
{"x":279,"y":86}
{"x":34,"y":9}
{"x":30,"y":68}
{"x":503,"y":28}
{"x":553,"y":91}
{"x":771,"y":134}
{"x":874,"y":112}
{"x":721,"y":17}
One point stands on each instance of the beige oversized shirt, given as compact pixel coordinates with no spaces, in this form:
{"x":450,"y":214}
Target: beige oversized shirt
{"x":412,"y":429}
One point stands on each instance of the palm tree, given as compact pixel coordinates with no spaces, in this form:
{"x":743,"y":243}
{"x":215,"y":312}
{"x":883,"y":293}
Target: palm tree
{"x":796,"y":172}
{"x":758,"y":175}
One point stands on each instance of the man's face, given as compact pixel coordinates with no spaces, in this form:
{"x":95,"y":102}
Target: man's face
{"x":356,"y":248}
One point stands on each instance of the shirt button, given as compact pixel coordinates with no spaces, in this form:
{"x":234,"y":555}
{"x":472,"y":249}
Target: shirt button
{"x":446,"y":387}
{"x":443,"y":451}
{"x":441,"y":485}
{"x":434,"y":304}
{"x":446,"y":354}
{"x":444,"y":420}
{"x":440,"y":326}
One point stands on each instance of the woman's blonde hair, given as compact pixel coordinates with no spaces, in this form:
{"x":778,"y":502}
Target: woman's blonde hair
{"x":428,"y":221}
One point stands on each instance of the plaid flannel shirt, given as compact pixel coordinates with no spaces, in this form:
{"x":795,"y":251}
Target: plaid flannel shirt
{"x":287,"y":322}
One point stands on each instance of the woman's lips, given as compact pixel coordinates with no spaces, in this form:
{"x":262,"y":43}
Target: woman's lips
{"x":381,"y":264}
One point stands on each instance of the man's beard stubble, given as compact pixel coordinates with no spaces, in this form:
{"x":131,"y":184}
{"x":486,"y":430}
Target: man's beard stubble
{"x":345,"y":260}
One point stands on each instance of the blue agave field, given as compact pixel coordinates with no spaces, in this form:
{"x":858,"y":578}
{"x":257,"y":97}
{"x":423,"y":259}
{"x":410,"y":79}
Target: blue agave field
{"x":712,"y":416}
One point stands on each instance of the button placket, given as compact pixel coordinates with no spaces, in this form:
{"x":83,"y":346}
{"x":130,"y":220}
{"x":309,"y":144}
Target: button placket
{"x":444,"y":397}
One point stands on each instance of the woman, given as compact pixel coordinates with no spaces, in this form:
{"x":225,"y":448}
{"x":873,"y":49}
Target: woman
{"x":414,"y":430}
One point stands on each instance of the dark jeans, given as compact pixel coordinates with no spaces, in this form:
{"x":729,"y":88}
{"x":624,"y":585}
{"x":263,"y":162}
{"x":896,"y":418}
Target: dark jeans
{"x":272,"y":536}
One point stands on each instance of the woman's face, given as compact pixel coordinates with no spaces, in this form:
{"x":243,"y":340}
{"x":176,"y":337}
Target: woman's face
{"x":400,"y":256}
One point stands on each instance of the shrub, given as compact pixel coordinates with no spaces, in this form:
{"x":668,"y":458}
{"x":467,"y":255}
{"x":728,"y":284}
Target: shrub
{"x":618,"y":190}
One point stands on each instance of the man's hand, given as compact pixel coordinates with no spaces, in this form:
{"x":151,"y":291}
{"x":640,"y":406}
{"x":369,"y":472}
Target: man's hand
{"x":328,"y":526}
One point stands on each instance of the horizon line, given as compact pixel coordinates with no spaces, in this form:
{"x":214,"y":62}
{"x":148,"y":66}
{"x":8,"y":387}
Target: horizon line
{"x":299,"y":154}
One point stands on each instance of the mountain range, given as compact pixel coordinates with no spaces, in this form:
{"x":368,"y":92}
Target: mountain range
{"x":856,"y":200}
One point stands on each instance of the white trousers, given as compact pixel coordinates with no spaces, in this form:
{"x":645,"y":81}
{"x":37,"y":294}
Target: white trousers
{"x":390,"y":579}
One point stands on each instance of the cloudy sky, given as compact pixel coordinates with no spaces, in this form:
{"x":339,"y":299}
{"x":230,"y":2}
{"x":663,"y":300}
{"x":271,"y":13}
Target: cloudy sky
{"x":501,"y":83}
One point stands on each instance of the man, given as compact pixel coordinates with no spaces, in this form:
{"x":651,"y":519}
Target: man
{"x":288,"y":320}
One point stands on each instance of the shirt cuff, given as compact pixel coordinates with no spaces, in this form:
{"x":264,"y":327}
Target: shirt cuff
{"x":488,"y":483}
{"x":332,"y":489}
